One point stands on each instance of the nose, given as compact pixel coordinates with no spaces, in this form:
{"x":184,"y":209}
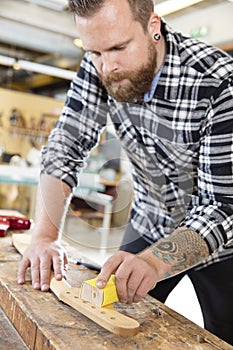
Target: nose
{"x":109,"y":64}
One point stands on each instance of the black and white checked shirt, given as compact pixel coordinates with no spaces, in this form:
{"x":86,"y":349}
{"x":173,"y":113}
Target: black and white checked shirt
{"x":180,"y":143}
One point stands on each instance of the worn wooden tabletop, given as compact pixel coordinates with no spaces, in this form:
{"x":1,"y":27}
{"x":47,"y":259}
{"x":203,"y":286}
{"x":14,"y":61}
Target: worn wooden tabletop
{"x":43,"y":322}
{"x":9,"y":338}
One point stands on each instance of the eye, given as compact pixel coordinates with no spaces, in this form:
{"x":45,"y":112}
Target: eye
{"x":94,"y":53}
{"x":120,"y":48}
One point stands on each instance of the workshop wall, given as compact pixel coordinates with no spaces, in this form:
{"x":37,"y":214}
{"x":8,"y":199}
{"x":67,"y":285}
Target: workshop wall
{"x":24,"y":117}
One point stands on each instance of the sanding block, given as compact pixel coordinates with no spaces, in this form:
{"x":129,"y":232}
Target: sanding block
{"x":100,"y":297}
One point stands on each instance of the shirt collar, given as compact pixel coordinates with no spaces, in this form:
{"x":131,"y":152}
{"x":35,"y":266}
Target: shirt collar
{"x":168,"y":85}
{"x":150,"y":94}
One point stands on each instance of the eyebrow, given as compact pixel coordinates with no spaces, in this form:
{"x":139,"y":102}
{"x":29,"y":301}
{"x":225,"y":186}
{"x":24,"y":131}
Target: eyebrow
{"x":110,"y":48}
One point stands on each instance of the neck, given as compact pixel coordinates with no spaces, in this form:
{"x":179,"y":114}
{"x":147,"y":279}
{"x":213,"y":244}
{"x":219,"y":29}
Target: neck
{"x":161,"y":50}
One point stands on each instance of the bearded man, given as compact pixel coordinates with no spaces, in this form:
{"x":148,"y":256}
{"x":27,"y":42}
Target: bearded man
{"x":170,"y":99}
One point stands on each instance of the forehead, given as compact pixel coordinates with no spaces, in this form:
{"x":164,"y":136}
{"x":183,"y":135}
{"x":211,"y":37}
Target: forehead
{"x":113,"y":22}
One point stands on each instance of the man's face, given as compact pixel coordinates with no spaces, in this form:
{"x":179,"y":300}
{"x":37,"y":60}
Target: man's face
{"x":124,"y":56}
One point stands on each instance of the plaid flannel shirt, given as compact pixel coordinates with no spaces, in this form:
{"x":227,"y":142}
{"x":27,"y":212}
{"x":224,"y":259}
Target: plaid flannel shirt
{"x":179,"y":143}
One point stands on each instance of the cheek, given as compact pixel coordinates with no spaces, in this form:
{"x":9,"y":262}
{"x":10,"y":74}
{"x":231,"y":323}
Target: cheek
{"x":136,"y":57}
{"x":96,"y":61}
{"x":125,"y":60}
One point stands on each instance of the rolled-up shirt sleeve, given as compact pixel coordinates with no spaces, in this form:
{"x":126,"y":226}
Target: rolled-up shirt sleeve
{"x":79,"y":127}
{"x":210,"y":212}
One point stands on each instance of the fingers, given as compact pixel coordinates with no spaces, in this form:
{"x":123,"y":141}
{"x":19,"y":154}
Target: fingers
{"x":41,"y":273}
{"x":134,"y":276}
{"x":109,"y":268}
{"x":127,"y":280}
{"x":60,"y":266}
{"x":137,"y":285}
{"x":145,"y":286}
{"x":130,"y":280}
{"x":41,"y":266}
{"x":24,"y":264}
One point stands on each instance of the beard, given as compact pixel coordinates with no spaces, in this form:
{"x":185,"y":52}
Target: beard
{"x":132,"y":85}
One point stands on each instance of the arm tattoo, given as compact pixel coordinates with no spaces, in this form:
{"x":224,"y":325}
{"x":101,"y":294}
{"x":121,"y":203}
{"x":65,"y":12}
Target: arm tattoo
{"x":182,"y":250}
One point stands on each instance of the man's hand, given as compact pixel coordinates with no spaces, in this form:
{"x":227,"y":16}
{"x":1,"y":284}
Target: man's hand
{"x":137,"y":274}
{"x":41,"y":256}
{"x":134,"y":276}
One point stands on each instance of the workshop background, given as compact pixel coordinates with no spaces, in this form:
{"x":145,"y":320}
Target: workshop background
{"x":40,"y":52}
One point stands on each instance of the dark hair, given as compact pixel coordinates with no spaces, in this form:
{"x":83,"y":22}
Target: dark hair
{"x":141,"y":9}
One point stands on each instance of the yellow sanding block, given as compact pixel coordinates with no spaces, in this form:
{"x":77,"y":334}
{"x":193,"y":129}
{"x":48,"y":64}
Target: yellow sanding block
{"x":99,"y":297}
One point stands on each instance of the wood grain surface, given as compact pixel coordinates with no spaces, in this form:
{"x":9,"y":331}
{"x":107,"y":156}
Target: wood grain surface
{"x":45,"y":323}
{"x":9,"y":338}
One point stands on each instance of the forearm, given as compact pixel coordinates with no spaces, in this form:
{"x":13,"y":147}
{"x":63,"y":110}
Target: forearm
{"x":176,"y":253}
{"x":45,"y":251}
{"x":53,"y":198}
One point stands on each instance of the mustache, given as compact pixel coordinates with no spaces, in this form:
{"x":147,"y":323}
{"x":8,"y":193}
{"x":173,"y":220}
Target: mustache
{"x":108,"y":79}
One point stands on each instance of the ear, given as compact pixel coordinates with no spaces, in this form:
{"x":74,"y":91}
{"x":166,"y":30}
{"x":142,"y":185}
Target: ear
{"x":154,"y":25}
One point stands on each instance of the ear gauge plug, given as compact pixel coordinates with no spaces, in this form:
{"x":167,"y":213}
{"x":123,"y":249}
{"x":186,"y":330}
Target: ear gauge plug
{"x":157,"y":37}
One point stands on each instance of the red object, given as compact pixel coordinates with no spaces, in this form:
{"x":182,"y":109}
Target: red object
{"x":4,"y":225}
{"x":13,"y":222}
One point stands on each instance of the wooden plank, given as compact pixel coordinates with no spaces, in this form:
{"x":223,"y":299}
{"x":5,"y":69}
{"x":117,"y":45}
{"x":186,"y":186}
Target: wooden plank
{"x":44,"y":323}
{"x":9,"y":338}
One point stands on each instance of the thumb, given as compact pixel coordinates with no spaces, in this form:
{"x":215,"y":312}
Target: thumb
{"x":110,"y":267}
{"x":102,"y":279}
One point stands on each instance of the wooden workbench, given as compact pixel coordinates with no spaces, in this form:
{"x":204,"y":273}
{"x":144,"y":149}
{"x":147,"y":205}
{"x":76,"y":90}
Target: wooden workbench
{"x":44,"y":323}
{"x":9,"y":338}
